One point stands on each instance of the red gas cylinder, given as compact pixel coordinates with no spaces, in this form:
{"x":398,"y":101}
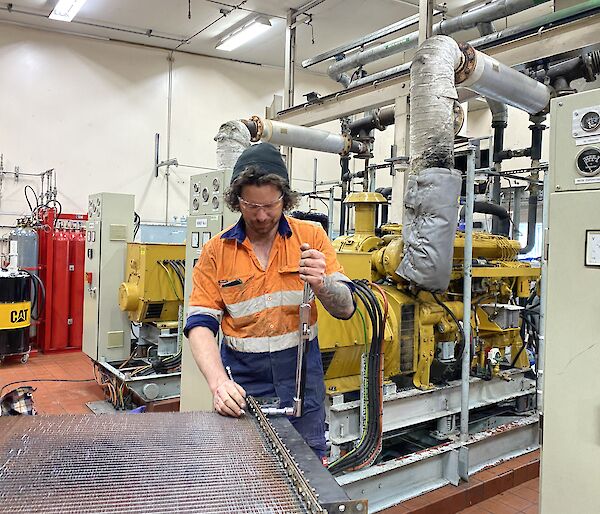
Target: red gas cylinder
{"x":61,"y":275}
{"x":77,"y":261}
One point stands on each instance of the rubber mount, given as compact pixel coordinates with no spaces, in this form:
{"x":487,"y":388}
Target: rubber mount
{"x":468,"y":64}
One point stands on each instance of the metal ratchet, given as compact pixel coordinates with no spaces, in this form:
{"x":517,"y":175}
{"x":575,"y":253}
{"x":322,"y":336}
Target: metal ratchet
{"x":304,"y":330}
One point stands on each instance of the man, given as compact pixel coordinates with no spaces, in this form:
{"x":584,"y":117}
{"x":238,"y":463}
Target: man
{"x":249,"y":280}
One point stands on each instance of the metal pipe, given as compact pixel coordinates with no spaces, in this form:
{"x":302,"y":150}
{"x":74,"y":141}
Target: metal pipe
{"x":516,"y":233}
{"x":345,"y":173}
{"x":499,"y":82}
{"x":364,"y":40}
{"x":467,"y":270}
{"x":470,"y":19}
{"x":285,"y":134}
{"x":536,"y":149}
{"x":378,"y":119}
{"x":531,"y":220}
{"x":331,"y":207}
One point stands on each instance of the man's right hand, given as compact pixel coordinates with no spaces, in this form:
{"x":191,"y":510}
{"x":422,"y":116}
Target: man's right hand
{"x":228,"y":399}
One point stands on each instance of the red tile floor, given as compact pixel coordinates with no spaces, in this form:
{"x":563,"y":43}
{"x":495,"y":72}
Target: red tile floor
{"x":509,"y":488}
{"x":55,"y":397}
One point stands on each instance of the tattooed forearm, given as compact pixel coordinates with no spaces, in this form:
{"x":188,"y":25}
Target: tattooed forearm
{"x":336,"y":298}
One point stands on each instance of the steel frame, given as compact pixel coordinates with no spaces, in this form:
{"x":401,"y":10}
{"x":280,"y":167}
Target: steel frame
{"x":408,"y":408}
{"x":169,"y":384}
{"x":394,"y":481}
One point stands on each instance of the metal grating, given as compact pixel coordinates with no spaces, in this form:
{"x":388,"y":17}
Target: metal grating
{"x":153,"y":462}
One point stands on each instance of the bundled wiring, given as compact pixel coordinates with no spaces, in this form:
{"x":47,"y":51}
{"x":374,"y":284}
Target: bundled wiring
{"x":369,"y":445}
{"x":161,"y":264}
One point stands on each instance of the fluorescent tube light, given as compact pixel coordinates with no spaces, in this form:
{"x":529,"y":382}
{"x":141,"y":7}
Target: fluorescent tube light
{"x":244,"y":34}
{"x":66,"y":10}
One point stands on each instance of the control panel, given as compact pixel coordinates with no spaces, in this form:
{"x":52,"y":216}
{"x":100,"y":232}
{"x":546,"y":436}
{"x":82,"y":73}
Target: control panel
{"x":106,"y":329}
{"x":572,"y":270}
{"x":576,"y":150}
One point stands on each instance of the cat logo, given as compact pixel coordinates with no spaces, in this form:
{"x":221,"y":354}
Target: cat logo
{"x":18,"y":316}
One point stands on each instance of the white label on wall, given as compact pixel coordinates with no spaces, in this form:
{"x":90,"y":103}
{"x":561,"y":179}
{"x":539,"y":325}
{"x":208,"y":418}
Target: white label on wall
{"x":587,"y":180}
{"x":588,"y":140}
{"x":202,"y":223}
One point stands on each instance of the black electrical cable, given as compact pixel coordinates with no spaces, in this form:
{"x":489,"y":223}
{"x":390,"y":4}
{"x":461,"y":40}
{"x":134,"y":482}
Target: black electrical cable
{"x":37,"y":281}
{"x":37,"y":203}
{"x":136,"y":222}
{"x":177,"y":271}
{"x":370,"y":444}
{"x":42,"y":380}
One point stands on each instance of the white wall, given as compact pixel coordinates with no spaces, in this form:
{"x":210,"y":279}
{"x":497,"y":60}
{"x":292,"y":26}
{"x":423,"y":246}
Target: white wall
{"x":90,"y":108}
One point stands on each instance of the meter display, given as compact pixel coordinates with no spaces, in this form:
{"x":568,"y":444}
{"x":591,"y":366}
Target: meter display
{"x":588,"y":162}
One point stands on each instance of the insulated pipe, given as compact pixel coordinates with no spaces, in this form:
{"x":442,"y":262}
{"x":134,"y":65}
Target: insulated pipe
{"x":470,"y":19}
{"x":432,"y":95}
{"x":285,"y":134}
{"x":232,"y":139}
{"x":497,"y":81}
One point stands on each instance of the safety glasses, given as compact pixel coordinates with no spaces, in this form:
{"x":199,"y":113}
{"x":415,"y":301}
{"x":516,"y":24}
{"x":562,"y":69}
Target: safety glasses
{"x":253,"y":207}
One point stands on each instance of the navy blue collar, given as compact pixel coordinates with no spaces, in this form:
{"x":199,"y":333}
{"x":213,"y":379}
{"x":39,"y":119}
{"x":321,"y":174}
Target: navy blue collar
{"x":238,"y":231}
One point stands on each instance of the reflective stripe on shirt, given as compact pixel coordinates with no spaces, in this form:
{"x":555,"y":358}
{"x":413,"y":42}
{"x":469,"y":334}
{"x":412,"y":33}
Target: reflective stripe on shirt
{"x":265,"y":301}
{"x":266,"y":344}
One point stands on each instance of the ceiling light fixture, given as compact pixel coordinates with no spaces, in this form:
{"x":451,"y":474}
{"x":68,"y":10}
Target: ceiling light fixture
{"x":244,"y":34}
{"x":66,"y":10}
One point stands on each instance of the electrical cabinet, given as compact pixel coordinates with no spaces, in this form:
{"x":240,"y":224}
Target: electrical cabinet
{"x":208,"y":216}
{"x":571,"y":399}
{"x":106,"y":328}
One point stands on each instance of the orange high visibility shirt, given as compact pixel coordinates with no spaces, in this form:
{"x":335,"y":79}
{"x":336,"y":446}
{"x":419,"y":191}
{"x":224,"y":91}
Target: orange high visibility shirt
{"x":258,"y":309}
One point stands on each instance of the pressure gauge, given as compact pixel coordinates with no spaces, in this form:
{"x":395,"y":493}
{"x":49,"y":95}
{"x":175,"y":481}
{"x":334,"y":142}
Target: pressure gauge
{"x":592,"y":248}
{"x":588,"y":162}
{"x":215,"y":203}
{"x":205,"y":195}
{"x":216,"y":185}
{"x":590,"y":121}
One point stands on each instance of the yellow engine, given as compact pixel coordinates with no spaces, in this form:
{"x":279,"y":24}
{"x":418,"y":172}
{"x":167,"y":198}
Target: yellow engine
{"x":422,"y":337}
{"x":153,"y":289}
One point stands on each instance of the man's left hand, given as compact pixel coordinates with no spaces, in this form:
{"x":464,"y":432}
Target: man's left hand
{"x":312,"y":267}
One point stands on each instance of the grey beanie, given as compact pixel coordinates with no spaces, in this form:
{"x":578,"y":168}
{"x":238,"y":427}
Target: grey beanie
{"x":263,"y":155}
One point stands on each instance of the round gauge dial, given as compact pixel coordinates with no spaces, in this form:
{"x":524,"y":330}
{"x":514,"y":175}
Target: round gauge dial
{"x":196,"y":204}
{"x":588,"y":162}
{"x":215,"y":203}
{"x":205,"y":195}
{"x":590,"y":121}
{"x":216,"y":185}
